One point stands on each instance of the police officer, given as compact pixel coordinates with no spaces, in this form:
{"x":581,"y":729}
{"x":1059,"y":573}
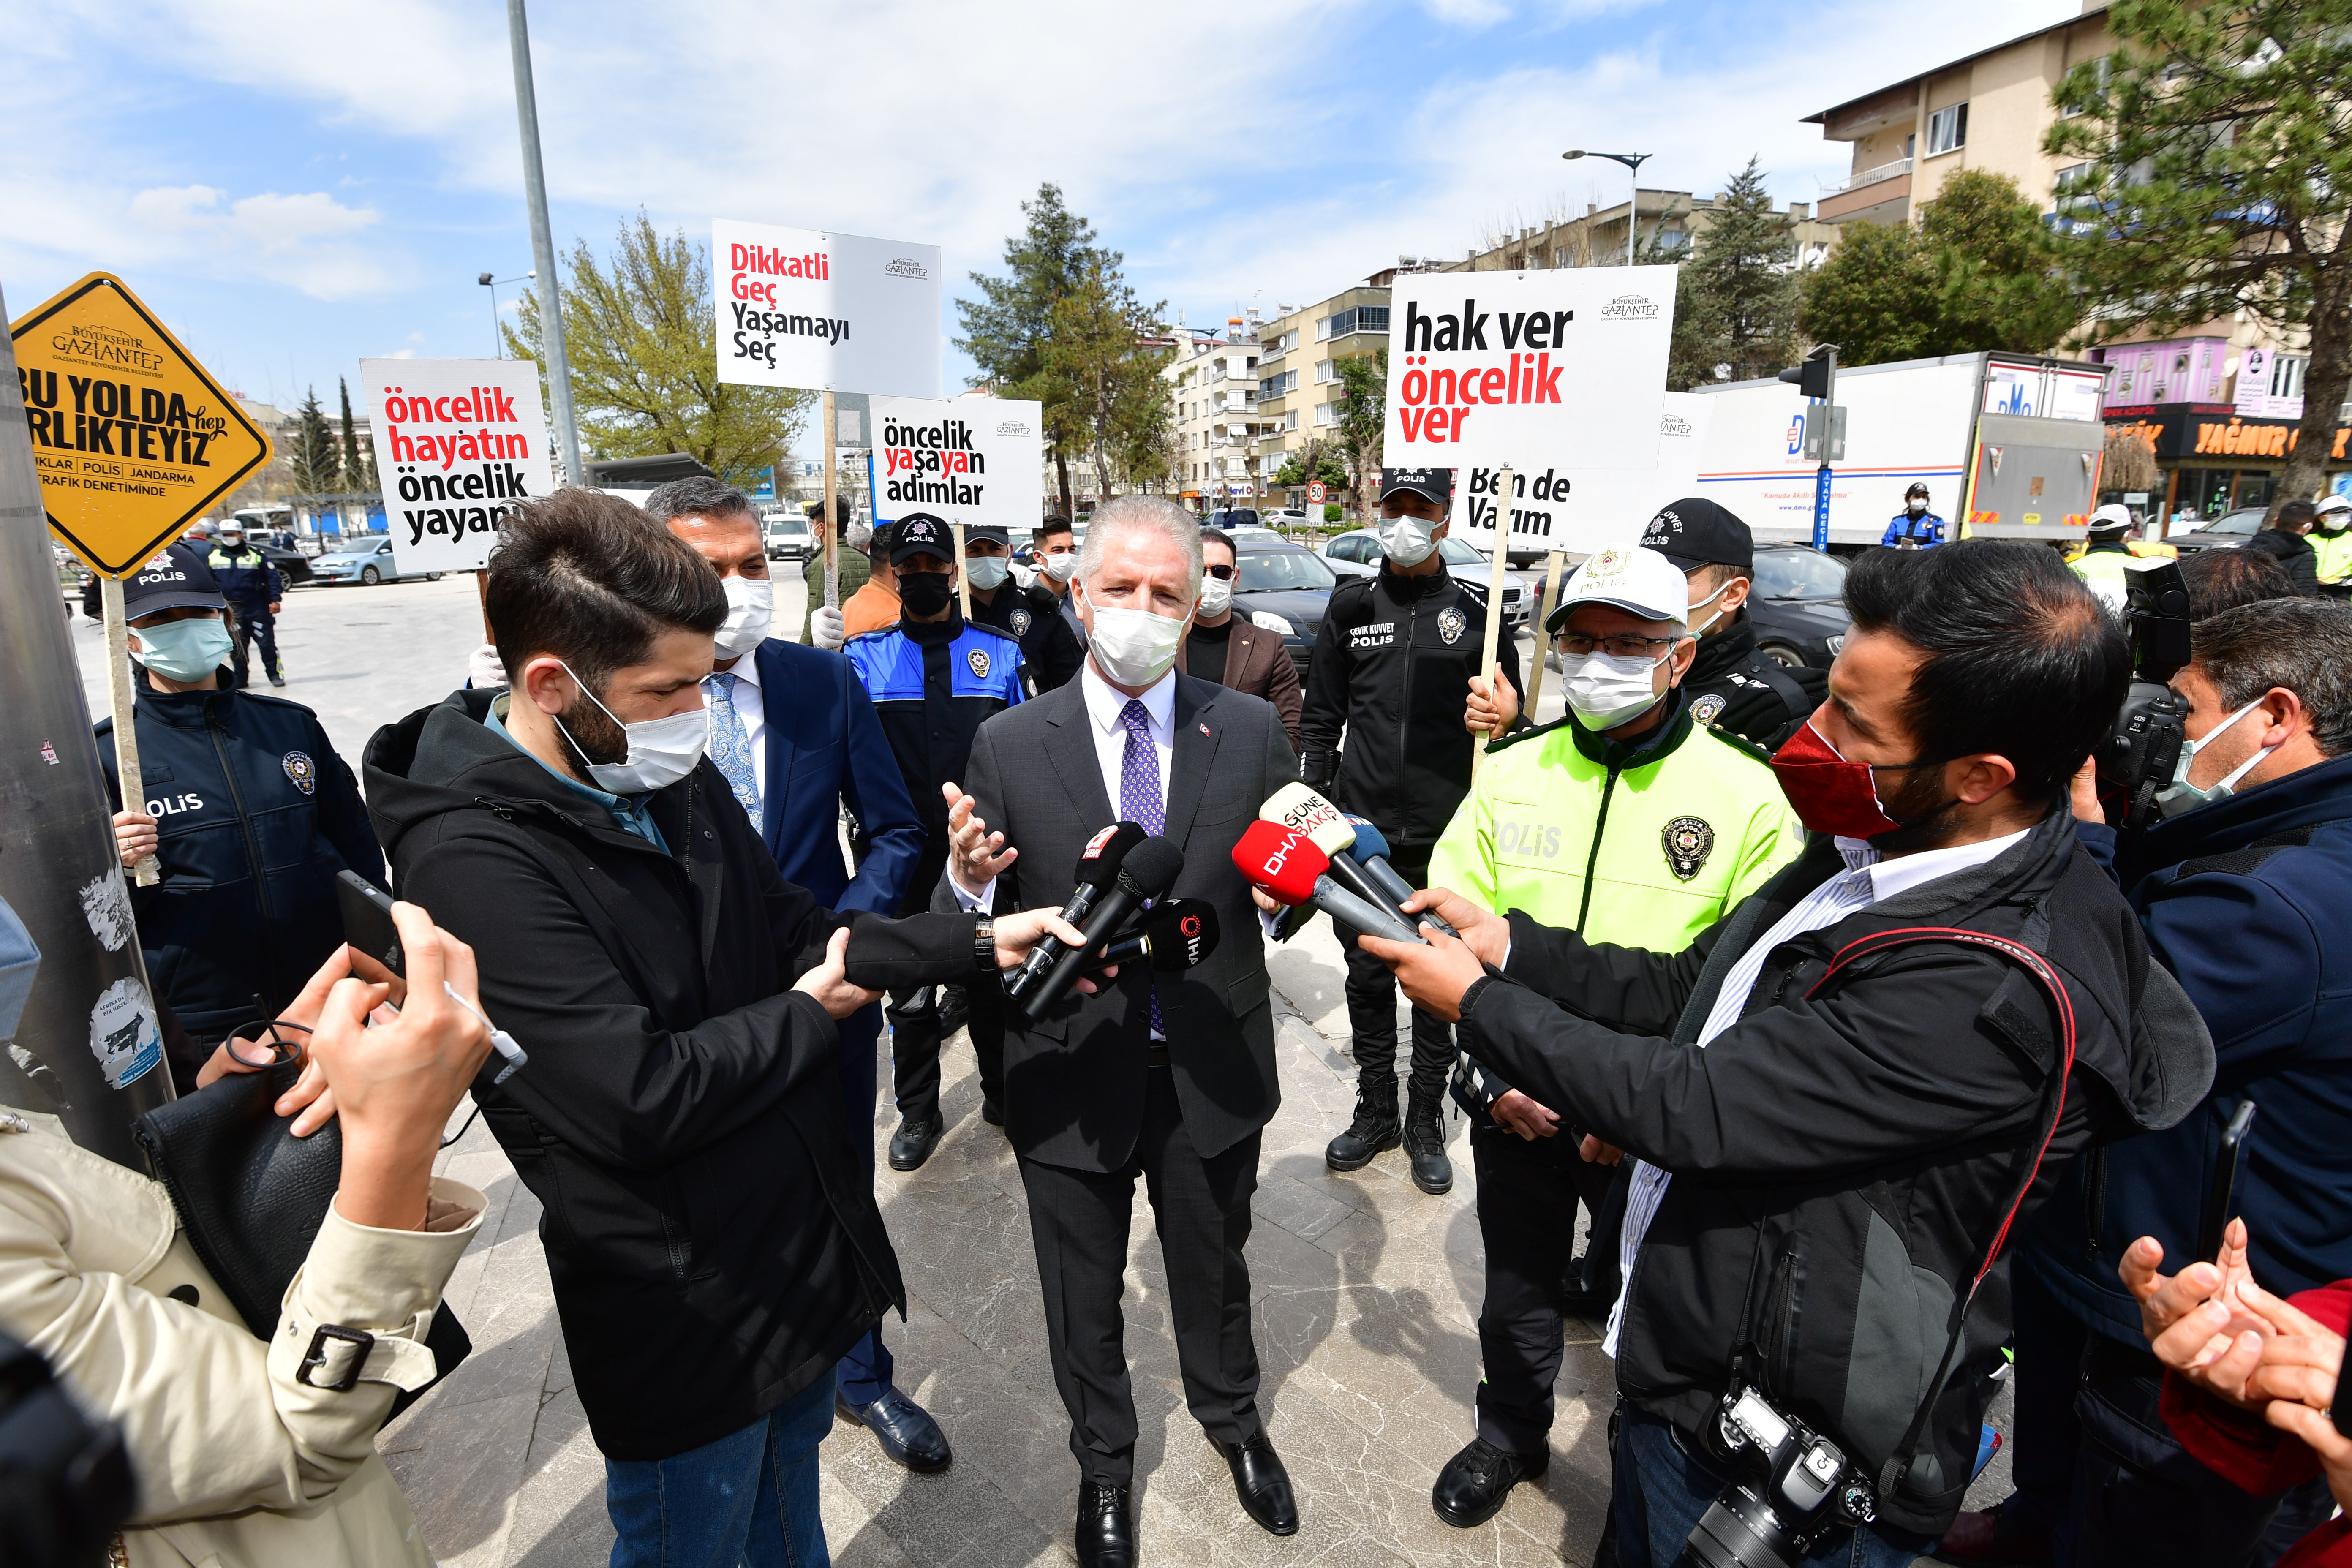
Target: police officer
{"x":1050,"y":654}
{"x":243,"y":801}
{"x":1915,"y":527}
{"x":254,"y":591}
{"x":934,"y":678}
{"x":2331,"y":540}
{"x":1627,"y":821}
{"x":851,"y":567}
{"x":2105,"y":564}
{"x":1058,"y":565}
{"x":1731,"y":686}
{"x":1393,"y":664}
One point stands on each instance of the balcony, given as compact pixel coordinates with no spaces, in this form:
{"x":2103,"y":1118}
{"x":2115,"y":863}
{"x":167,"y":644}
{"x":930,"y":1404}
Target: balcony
{"x":1871,"y":193}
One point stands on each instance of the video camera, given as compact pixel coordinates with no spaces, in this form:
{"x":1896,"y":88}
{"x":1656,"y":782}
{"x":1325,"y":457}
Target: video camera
{"x":2141,"y":751}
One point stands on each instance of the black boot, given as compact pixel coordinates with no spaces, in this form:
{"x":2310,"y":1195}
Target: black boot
{"x":1373,"y":1130}
{"x":1425,"y":1143}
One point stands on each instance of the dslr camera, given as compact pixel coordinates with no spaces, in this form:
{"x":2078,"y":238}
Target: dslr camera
{"x":1791,"y":1486}
{"x":2140,"y":751}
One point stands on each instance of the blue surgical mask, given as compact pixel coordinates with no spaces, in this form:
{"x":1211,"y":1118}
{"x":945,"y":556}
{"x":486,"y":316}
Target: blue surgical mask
{"x":2181,"y":795}
{"x":184,"y":651}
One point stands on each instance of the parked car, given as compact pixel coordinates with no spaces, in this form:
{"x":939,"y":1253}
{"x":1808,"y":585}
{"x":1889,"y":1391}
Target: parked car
{"x":2227,"y":531}
{"x":291,"y":564}
{"x":1232,"y":518}
{"x":789,"y":537}
{"x":1286,"y":590}
{"x":1287,"y":517}
{"x":1798,"y":606}
{"x":1357,"y":555}
{"x":367,"y":560}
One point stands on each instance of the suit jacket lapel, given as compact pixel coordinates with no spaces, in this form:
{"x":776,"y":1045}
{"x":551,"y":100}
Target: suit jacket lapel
{"x":781,"y":750}
{"x":1070,"y":746}
{"x":1197,"y":731}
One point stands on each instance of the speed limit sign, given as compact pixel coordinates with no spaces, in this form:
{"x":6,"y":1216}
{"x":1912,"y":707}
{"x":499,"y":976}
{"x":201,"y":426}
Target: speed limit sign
{"x":1315,"y":490}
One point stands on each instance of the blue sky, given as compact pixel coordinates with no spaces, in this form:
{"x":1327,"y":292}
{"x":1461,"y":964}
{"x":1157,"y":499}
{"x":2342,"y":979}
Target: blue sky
{"x":294,"y":187}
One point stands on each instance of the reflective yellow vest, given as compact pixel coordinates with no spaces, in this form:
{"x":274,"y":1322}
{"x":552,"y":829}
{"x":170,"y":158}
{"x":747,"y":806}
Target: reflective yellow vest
{"x":1647,"y":855}
{"x":2335,"y":555}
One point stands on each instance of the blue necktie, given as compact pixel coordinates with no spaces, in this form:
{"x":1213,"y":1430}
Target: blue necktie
{"x":730,"y":743}
{"x":1140,"y":799}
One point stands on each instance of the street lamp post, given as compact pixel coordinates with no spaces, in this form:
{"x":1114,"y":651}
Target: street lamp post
{"x":542,"y":251}
{"x":498,"y":342}
{"x":1633,"y":161}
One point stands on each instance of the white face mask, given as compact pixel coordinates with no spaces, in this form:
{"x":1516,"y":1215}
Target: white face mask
{"x":1915,"y":506}
{"x":2181,"y":795}
{"x":1406,"y":540}
{"x":1216,"y":595}
{"x":661,"y":751}
{"x":986,"y":572}
{"x":1604,"y":691}
{"x":1062,"y":567}
{"x":751,"y":603}
{"x":1700,"y":628}
{"x":1134,"y":648}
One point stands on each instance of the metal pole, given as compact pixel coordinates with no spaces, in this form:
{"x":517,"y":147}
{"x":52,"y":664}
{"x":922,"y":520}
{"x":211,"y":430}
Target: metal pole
{"x":1632,"y":210}
{"x":58,"y":868}
{"x":542,"y":251}
{"x":1827,"y":413}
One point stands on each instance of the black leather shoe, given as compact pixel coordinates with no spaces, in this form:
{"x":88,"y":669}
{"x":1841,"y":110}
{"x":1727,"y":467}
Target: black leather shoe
{"x":1106,"y":1537}
{"x":992,"y":1110}
{"x":1475,"y":1483}
{"x":1261,"y":1484}
{"x":905,"y":1429}
{"x":955,"y":1009}
{"x":1373,"y":1130}
{"x":913,"y":1143}
{"x":1425,"y":1145}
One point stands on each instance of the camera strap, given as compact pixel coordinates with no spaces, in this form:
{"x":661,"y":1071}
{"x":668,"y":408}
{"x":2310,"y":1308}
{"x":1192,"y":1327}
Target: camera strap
{"x":2034,"y":964}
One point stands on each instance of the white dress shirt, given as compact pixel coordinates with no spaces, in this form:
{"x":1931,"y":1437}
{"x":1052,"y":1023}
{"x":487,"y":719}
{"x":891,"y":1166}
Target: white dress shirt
{"x":752,"y":709}
{"x":1868,"y":880}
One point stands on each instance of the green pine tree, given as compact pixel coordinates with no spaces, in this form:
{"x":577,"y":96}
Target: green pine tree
{"x":1735,"y":299}
{"x":359,"y":466}
{"x":313,"y":458}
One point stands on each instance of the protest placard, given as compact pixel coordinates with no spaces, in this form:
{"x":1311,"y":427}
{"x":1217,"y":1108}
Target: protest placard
{"x":835,"y":312}
{"x":459,"y":443}
{"x":975,"y":461}
{"x":1576,"y":509}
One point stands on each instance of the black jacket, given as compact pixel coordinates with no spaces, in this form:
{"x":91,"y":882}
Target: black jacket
{"x":1732,"y":687}
{"x":254,"y":816}
{"x":245,"y":578}
{"x":712,"y":1246}
{"x":1392,"y":666}
{"x":2295,"y":553}
{"x":1050,"y":655}
{"x":1844,"y":1154}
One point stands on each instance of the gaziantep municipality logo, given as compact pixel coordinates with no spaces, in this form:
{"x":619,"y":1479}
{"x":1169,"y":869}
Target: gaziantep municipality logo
{"x":908,"y":266}
{"x":1629,"y":308}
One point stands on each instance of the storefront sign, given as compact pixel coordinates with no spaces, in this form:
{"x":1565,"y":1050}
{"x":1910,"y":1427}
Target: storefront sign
{"x":2176,"y":430}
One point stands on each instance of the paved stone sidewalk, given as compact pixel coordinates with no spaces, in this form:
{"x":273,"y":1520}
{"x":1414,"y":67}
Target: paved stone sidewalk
{"x":1366,"y":1294}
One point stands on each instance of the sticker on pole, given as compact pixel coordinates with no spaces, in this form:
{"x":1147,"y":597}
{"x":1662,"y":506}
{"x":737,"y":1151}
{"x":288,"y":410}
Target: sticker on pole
{"x":131,"y":438}
{"x":834,"y":313}
{"x":460,"y":443}
{"x":1510,"y":369}
{"x":979,"y":461}
{"x":124,"y":1034}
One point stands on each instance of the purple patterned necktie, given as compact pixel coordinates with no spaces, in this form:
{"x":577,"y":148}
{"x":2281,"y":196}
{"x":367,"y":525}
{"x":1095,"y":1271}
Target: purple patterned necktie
{"x":1140,"y":799}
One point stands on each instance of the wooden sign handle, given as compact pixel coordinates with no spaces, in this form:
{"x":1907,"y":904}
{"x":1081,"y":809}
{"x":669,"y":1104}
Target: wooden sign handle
{"x":1543,"y":619}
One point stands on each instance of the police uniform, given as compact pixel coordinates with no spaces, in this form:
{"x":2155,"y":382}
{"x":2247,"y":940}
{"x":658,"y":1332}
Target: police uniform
{"x":251,"y":584}
{"x":1645,"y":843}
{"x":2334,"y":551}
{"x":1904,"y":532}
{"x":2104,"y":566}
{"x":1732,"y":685}
{"x":1050,"y":654}
{"x":933,"y":683}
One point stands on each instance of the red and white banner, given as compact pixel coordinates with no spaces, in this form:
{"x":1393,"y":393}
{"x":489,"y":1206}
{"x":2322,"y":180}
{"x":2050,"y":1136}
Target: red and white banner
{"x":835,"y":312}
{"x":458,"y":442}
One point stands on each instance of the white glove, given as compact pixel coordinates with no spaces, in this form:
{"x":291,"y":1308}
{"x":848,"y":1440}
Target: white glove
{"x":824,"y":625}
{"x":484,"y":667}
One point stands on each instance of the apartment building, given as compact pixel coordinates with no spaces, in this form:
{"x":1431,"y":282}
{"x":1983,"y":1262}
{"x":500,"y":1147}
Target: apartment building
{"x":1300,"y":355}
{"x":1212,"y":386}
{"x":1665,"y":224}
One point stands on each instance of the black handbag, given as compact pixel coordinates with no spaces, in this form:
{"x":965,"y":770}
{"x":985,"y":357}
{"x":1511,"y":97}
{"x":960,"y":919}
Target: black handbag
{"x":251,"y":1196}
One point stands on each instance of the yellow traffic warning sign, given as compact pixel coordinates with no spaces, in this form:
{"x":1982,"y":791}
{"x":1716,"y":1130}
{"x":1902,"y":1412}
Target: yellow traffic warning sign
{"x":132,"y":438}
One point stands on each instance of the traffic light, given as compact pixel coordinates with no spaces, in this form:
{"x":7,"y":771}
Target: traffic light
{"x":1812,"y":377}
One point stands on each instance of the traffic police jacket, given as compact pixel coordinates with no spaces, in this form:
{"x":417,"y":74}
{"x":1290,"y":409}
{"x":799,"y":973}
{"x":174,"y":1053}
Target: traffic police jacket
{"x":1392,"y":666}
{"x":246,"y":576}
{"x":934,"y":683}
{"x":254,"y":816}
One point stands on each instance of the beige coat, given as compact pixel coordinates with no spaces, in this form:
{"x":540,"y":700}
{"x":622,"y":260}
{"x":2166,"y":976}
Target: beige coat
{"x":237,"y":1463}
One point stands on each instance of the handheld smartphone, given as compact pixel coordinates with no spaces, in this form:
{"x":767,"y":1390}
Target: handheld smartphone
{"x":2221,"y":1187}
{"x":367,"y":920}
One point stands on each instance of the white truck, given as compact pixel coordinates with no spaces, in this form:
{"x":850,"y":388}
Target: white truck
{"x":2008,"y":445}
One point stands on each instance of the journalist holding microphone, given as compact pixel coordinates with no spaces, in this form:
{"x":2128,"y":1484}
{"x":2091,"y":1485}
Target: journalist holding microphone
{"x":1847,"y":1091}
{"x":1168,"y":1077}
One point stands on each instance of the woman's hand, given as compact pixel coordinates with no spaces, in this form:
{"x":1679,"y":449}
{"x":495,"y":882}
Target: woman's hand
{"x":135,"y":836}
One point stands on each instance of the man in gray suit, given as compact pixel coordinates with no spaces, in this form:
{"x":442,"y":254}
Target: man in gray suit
{"x":1168,"y":1076}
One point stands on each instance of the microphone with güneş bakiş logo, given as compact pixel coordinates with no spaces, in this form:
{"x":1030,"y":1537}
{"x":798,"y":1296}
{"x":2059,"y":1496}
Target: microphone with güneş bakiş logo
{"x":1370,"y":850}
{"x":1098,"y":865}
{"x":1297,"y":806}
{"x":1147,"y":872}
{"x":1287,"y":865}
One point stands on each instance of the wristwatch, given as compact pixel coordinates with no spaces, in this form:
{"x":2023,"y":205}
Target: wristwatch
{"x":983,"y":944}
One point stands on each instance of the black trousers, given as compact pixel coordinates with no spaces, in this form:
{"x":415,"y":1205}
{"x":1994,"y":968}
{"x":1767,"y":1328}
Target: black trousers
{"x":1528,"y":1193}
{"x":989,"y":1008}
{"x":254,"y":624}
{"x":1079,"y":1220}
{"x":914,"y":1014}
{"x":1372,"y":992}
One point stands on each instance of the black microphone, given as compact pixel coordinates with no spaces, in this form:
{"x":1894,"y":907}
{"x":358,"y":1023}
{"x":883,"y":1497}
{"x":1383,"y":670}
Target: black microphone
{"x":1174,"y":935}
{"x":1149,"y":872}
{"x":1098,"y":864}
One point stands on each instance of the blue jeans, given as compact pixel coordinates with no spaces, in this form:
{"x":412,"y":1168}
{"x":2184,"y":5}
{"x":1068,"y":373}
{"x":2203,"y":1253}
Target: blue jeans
{"x":747,"y":1499}
{"x":1661,"y":1490}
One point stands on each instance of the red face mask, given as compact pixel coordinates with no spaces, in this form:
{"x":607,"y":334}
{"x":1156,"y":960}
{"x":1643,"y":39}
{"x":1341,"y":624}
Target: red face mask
{"x":1830,"y":793}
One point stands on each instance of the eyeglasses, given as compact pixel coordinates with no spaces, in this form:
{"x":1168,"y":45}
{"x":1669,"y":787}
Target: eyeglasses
{"x":1621,"y":647}
{"x":1222,"y":573}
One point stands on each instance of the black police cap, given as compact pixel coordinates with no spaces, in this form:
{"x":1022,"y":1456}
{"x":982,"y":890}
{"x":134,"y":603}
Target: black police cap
{"x":1695,"y":531}
{"x":920,"y":534}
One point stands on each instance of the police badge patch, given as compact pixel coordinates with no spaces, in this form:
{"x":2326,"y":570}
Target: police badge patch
{"x":301,"y":770}
{"x":1450,"y":624}
{"x":1703,"y":709}
{"x":1020,"y":623}
{"x":977,"y":660}
{"x":1688,"y":841}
